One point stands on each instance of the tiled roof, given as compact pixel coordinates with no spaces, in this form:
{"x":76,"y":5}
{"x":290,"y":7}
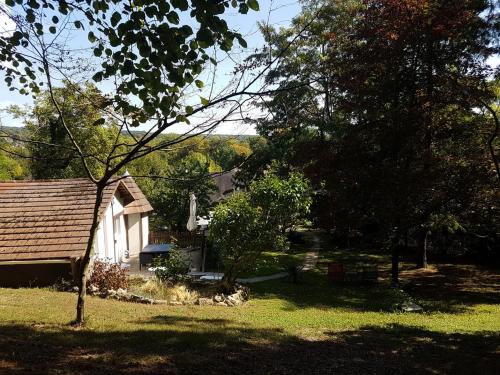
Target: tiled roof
{"x":140,"y":202}
{"x":225,"y":185}
{"x":50,"y":219}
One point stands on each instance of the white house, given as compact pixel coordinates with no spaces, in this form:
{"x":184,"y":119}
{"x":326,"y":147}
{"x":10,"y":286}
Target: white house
{"x":45,"y":227}
{"x":124,"y":227}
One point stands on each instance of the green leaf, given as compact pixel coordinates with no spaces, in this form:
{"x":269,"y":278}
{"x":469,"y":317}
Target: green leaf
{"x":115,"y":18}
{"x":99,"y":122}
{"x":204,"y":35}
{"x":30,"y":16}
{"x":189,"y":109}
{"x":52,"y":29}
{"x":55,"y":19}
{"x":253,"y":4}
{"x":199,"y":84}
{"x":173,"y":17}
{"x":128,"y":67}
{"x":97,"y":77}
{"x":10,"y":3}
{"x":242,"y":42}
{"x":78,"y":25}
{"x":181,"y":118}
{"x":180,"y":4}
{"x":204,"y":101}
{"x":243,"y":8}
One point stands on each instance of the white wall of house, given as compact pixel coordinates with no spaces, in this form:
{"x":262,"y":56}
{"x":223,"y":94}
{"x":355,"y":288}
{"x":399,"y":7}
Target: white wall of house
{"x":145,"y":230}
{"x":134,"y":234}
{"x":121,"y":239}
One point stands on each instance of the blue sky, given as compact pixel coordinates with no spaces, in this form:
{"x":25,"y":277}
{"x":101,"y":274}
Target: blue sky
{"x":276,"y":12}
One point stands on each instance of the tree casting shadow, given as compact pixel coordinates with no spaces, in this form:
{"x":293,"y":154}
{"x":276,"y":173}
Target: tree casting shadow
{"x":208,"y":347}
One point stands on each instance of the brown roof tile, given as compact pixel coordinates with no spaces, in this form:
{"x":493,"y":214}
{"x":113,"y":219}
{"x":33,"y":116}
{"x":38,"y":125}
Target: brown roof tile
{"x":49,"y":219}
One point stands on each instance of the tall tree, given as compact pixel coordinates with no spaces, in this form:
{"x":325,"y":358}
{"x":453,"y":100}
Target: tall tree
{"x":83,"y":106}
{"x":170,"y":195}
{"x":11,"y":168}
{"x":382,"y":91}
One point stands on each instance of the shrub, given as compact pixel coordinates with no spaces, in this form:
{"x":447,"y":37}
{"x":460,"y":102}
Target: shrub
{"x":180,"y":293}
{"x":158,"y":289}
{"x":105,"y":276}
{"x":285,"y":201}
{"x":240,"y":233}
{"x":247,"y":223}
{"x":172,"y":268}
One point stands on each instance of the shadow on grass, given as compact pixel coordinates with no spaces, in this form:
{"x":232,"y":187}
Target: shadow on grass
{"x":448,"y":288}
{"x":453,"y":287}
{"x":226,"y":348}
{"x":315,"y":290}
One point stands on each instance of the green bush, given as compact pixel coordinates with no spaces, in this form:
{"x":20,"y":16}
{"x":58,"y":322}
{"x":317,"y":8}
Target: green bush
{"x":239,"y":234}
{"x":171,"y":268}
{"x":247,"y":223}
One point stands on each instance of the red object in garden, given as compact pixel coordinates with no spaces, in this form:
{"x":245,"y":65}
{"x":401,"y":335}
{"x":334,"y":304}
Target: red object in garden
{"x":336,"y":271}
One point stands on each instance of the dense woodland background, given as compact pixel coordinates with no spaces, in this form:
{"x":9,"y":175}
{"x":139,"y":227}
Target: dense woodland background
{"x":387,"y":107}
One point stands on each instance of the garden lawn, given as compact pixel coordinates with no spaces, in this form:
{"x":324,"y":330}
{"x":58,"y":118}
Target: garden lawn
{"x":310,"y":327}
{"x":271,"y":262}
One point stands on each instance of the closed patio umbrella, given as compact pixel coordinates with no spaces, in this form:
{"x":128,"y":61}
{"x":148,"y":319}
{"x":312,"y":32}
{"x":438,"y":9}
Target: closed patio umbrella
{"x":191,"y":224}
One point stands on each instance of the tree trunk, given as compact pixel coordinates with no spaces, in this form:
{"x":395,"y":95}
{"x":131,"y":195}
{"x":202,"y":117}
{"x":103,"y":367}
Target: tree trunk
{"x":422,"y":239}
{"x":396,"y":248}
{"x":444,"y":244}
{"x":228,"y":279}
{"x":395,"y":266}
{"x":84,"y":266}
{"x":227,"y":283}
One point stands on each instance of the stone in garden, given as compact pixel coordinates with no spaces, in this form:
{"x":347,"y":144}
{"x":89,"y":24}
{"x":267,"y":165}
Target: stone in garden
{"x":205,"y":302}
{"x":93,"y":289}
{"x":235,"y":299}
{"x":218,"y":298}
{"x":411,"y":307}
{"x":136,"y":298}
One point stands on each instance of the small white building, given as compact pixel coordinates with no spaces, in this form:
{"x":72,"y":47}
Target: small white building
{"x":124,"y":227}
{"x":45,"y":227}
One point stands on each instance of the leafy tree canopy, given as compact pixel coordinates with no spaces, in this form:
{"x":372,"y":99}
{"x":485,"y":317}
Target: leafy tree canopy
{"x":52,"y":154}
{"x":149,"y":63}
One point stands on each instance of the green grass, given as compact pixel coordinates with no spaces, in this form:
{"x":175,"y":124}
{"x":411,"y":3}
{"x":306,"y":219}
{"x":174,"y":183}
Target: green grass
{"x":285,"y":328}
{"x":271,"y":262}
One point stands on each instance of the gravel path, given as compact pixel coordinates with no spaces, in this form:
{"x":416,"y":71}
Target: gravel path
{"x":312,"y":256}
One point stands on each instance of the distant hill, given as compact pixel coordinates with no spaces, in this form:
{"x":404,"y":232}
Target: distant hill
{"x":237,"y":136}
{"x":15,"y":131}
{"x":20,"y":130}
